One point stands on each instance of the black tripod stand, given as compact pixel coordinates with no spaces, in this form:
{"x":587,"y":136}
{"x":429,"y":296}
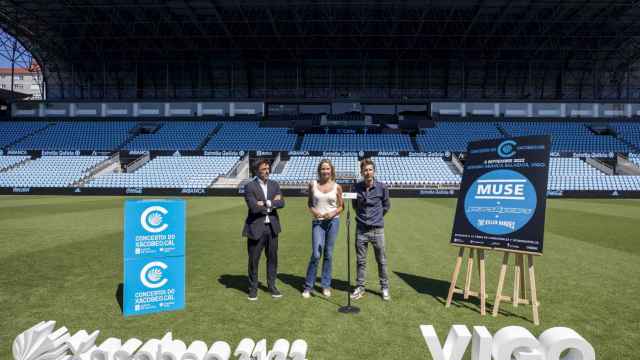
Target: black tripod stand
{"x":349,"y":309}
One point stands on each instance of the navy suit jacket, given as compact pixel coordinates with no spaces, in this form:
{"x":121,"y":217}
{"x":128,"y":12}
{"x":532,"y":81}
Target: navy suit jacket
{"x":254,"y":225}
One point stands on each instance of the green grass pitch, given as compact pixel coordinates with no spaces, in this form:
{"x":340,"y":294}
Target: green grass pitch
{"x":61,"y":260}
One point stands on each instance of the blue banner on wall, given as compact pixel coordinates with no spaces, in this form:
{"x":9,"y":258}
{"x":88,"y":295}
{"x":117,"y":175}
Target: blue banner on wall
{"x":502,"y":194}
{"x":154,"y":256}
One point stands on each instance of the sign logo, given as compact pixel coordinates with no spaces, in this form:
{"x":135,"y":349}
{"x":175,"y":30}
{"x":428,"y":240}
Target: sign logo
{"x":152,"y":219}
{"x":152,"y":275}
{"x":500,"y":202}
{"x":507,"y":149}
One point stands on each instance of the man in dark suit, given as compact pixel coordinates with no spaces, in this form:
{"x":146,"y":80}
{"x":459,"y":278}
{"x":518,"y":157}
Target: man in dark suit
{"x":262,"y":226}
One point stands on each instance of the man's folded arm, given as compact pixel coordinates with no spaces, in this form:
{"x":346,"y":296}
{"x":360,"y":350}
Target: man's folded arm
{"x":252,"y":203}
{"x":278,"y":200}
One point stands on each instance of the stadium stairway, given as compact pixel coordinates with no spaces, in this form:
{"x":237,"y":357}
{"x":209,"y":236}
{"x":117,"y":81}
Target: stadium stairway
{"x":452,"y":165}
{"x":110,"y":165}
{"x":626,"y":142}
{"x":235,"y":176}
{"x":414,"y":142}
{"x":16,"y":165}
{"x":298,"y":143}
{"x":213,"y":132}
{"x":601,"y":165}
{"x":502,"y":131}
{"x":626,"y":167}
{"x":28,"y":136}
{"x":126,"y":142}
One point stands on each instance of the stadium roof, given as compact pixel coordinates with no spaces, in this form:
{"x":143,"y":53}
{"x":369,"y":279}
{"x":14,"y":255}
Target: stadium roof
{"x":87,"y":33}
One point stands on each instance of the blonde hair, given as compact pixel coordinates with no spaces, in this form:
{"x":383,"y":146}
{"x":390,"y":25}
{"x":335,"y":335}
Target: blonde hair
{"x":333,"y":169}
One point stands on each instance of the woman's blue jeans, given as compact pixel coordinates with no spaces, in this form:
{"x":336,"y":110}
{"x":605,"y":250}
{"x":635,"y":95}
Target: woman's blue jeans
{"x":323,"y":237}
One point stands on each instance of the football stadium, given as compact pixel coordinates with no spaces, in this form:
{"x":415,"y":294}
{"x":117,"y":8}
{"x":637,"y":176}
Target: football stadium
{"x":152,"y":151}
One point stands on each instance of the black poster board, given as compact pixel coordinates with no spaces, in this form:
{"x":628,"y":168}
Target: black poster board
{"x":502,"y":195}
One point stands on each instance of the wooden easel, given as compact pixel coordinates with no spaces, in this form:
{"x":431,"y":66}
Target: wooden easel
{"x":519,"y":284}
{"x":478,"y":254}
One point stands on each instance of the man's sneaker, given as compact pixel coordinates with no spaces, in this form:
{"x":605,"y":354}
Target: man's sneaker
{"x":385,"y":295}
{"x":306,"y":293}
{"x":326,"y":292}
{"x":253,"y":294}
{"x":358,"y":293}
{"x":275,"y":293}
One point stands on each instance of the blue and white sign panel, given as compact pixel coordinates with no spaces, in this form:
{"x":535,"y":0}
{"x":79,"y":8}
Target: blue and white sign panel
{"x":153,"y":285}
{"x":154,"y":256}
{"x":503,"y":193}
{"x":154,"y":228}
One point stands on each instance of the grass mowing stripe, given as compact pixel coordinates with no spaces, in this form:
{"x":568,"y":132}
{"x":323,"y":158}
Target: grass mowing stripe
{"x":604,"y":230}
{"x":582,"y":285}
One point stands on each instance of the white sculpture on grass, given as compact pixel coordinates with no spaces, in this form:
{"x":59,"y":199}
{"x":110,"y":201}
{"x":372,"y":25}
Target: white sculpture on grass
{"x":40,"y":342}
{"x":82,"y":344}
{"x":508,"y":343}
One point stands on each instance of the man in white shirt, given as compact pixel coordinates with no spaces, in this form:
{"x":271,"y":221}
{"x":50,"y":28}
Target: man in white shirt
{"x":262,"y":226}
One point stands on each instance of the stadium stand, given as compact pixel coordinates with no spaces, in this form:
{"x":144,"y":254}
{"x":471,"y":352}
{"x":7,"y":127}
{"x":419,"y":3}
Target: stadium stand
{"x":574,"y":137}
{"x":300,"y":170}
{"x":78,"y":135}
{"x":202,"y":171}
{"x":248,"y":135}
{"x":170,"y":172}
{"x":12,"y":131}
{"x":50,"y":171}
{"x":635,"y":158}
{"x":575,"y":174}
{"x":357,"y":142}
{"x":629,"y":132}
{"x":454,"y":136}
{"x":179,"y":135}
{"x":395,"y":171}
{"x":414,"y":171}
{"x":9,"y":161}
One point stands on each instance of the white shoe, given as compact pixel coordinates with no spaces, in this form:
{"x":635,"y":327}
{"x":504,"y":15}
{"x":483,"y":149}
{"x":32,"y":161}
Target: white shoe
{"x":385,"y":295}
{"x":306,"y":294}
{"x":358,"y":293}
{"x":326,"y":292}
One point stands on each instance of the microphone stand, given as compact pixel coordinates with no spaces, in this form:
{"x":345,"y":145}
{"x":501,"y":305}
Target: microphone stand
{"x":349,"y":309}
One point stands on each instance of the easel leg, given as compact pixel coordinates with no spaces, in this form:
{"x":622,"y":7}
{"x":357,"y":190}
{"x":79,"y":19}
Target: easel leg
{"x":534,"y":296}
{"x":480,"y":257}
{"x":467,"y":281}
{"x":523,"y":286}
{"x":503,"y":272}
{"x":516,"y":281}
{"x":454,"y":277}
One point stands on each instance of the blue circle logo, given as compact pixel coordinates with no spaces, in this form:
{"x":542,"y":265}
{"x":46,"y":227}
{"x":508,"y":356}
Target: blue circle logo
{"x":500,"y":202}
{"x":507,"y":148}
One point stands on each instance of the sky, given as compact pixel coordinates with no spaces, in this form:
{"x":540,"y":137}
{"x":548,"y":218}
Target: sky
{"x":3,"y":61}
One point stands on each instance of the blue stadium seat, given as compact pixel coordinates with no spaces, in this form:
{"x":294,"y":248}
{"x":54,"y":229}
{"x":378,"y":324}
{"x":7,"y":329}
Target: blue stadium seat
{"x":357,"y":142}
{"x":572,"y":137}
{"x":50,"y":171}
{"x":575,"y":174}
{"x":248,"y":135}
{"x":170,"y":172}
{"x":78,"y":135}
{"x":8,"y":161}
{"x":454,"y":136}
{"x":12,"y":131}
{"x":178,"y":135}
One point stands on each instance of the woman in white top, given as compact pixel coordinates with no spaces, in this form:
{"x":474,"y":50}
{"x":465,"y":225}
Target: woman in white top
{"x":325,"y":205}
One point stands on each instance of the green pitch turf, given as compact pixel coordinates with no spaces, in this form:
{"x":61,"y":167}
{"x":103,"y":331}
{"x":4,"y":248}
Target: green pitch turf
{"x":61,"y":259}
